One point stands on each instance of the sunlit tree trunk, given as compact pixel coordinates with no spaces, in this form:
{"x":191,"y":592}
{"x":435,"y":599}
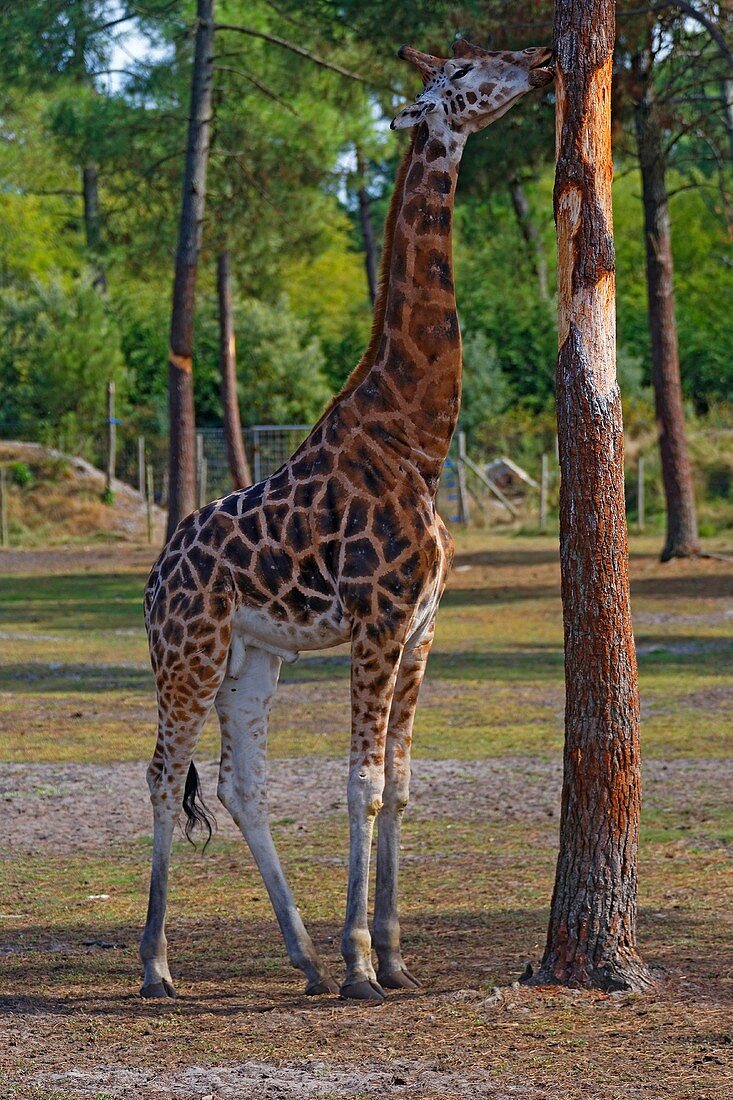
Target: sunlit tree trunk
{"x":236,"y":456}
{"x":591,"y":937}
{"x":182,"y":424}
{"x":682,"y":537}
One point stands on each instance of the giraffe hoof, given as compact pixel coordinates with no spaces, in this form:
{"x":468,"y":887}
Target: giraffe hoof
{"x":325,"y":985}
{"x":158,"y":991}
{"x":398,"y":979}
{"x":362,"y":991}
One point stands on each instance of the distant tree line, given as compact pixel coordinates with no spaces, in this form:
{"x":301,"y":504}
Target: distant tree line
{"x":94,"y":111}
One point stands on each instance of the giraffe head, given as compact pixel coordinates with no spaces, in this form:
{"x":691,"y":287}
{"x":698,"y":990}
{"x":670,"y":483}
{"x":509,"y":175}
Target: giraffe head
{"x":473,"y":88}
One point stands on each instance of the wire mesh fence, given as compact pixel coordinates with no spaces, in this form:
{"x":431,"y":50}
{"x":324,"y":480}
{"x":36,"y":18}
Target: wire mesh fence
{"x":462,"y":493}
{"x":267,"y":447}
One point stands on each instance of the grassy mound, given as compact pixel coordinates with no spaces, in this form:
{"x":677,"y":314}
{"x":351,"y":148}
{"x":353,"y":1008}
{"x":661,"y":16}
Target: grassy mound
{"x":57,"y":499}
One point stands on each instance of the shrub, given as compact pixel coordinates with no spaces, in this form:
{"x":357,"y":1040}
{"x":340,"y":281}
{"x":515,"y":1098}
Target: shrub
{"x":21,"y":474}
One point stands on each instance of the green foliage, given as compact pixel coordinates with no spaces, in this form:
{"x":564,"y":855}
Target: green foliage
{"x":703,"y":259}
{"x":281,"y":378}
{"x":282,"y":198}
{"x":486,"y":392}
{"x":280,"y":366}
{"x":329,"y":291}
{"x":21,"y":474}
{"x":58,"y":350}
{"x":500,"y":299}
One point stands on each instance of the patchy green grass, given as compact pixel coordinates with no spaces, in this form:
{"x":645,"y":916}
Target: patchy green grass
{"x":474,"y":909}
{"x":75,"y":683}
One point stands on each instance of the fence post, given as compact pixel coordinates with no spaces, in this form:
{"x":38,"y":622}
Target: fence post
{"x":544,"y":487}
{"x":149,"y":498}
{"x":256,"y":456}
{"x":111,"y":435}
{"x":462,"y":491}
{"x":640,"y":502}
{"x":203,"y":482}
{"x":4,"y":537}
{"x":141,"y":464}
{"x":199,"y":465}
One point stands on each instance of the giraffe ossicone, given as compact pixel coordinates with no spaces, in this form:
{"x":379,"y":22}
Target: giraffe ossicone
{"x":343,"y":543}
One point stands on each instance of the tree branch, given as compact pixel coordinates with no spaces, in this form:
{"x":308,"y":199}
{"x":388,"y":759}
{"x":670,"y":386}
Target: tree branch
{"x":710,"y":25}
{"x":259,"y":85}
{"x":705,"y":21}
{"x":301,"y":51}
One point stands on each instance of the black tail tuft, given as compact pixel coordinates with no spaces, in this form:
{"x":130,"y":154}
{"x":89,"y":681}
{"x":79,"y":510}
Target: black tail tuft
{"x":196,"y":810}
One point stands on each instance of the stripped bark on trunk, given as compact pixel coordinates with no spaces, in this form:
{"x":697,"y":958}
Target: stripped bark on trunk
{"x":591,"y":937}
{"x":238,"y":465}
{"x":682,"y":538}
{"x":531,"y":235}
{"x":182,"y":423}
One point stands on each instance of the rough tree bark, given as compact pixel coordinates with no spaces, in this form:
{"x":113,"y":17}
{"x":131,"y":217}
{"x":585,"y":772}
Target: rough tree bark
{"x":682,"y":538}
{"x":591,"y":937}
{"x":238,"y":465}
{"x":367,"y":230}
{"x":92,"y":225}
{"x":529,"y":231}
{"x":182,"y":424}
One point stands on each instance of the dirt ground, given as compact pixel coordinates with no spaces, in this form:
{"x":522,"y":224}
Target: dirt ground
{"x":67,"y":808}
{"x":479,"y":847}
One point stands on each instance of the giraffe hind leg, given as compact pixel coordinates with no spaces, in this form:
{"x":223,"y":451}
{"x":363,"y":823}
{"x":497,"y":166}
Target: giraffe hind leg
{"x":243,"y":705}
{"x":391,"y":971}
{"x":184,"y":705}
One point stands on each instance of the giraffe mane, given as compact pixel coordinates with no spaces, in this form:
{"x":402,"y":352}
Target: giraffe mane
{"x":366,"y":362}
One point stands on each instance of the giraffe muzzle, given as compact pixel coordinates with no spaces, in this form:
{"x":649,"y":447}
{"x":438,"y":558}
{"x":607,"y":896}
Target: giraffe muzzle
{"x":542,"y":72}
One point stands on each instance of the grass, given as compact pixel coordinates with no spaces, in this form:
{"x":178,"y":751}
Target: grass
{"x":76,"y":659}
{"x":75,"y":687}
{"x":474,"y":909}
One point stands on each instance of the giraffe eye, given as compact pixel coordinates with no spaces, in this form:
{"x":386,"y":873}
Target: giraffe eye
{"x":459,"y":73}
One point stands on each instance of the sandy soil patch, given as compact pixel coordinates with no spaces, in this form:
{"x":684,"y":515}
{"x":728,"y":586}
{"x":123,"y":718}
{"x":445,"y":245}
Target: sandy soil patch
{"x":265,"y":1081}
{"x":68,"y":807}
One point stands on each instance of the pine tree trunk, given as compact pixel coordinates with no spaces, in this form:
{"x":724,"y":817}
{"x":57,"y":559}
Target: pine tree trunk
{"x":367,"y":231}
{"x":529,"y":231}
{"x":726,"y":95}
{"x":182,"y":423}
{"x":682,"y":538}
{"x":92,"y":226}
{"x":591,"y":938}
{"x":238,"y":465}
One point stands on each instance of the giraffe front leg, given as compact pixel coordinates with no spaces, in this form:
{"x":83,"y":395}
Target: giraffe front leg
{"x":373,"y":676}
{"x":243,"y":705}
{"x":392,"y":972}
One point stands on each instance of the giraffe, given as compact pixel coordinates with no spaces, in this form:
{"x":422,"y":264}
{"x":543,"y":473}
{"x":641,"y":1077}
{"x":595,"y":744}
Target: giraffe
{"x":341,"y":544}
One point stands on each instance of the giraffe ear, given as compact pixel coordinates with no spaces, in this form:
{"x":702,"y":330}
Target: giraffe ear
{"x":413,"y":114}
{"x":427,"y":65}
{"x":462,"y":48}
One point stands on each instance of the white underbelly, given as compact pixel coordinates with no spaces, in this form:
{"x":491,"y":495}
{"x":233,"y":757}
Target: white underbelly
{"x":253,"y":627}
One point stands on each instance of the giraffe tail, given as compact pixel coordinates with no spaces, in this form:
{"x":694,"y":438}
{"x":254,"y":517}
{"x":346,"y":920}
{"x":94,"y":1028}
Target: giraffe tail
{"x":197,"y":813}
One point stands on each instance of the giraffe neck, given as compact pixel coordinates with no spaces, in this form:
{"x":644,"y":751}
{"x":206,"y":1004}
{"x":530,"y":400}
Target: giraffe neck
{"x":416,"y":369}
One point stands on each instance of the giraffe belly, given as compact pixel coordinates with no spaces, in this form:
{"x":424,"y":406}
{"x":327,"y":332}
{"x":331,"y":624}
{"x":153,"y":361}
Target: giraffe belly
{"x":425,"y":613}
{"x":254,"y":627}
